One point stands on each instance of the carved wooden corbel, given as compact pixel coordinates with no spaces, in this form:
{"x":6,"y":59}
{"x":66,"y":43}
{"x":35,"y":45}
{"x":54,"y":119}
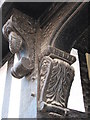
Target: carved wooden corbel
{"x":56,"y":77}
{"x":20,"y":32}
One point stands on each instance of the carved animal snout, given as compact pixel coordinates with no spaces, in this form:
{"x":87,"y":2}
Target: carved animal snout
{"x":22,"y":68}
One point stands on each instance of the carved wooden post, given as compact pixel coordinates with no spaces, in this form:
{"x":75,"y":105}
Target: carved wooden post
{"x":54,"y":66}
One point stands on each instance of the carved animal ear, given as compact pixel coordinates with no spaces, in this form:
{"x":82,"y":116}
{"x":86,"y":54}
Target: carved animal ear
{"x":7,"y":28}
{"x":15,"y":42}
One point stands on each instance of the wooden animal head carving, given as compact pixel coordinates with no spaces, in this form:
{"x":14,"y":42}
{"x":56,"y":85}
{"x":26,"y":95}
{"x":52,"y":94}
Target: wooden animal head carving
{"x":19,"y":30}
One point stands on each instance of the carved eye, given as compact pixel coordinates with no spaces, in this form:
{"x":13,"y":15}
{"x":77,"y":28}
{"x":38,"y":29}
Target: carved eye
{"x":8,"y":30}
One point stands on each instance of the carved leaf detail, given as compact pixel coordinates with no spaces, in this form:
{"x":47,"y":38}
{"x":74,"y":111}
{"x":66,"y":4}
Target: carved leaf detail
{"x":44,"y":72}
{"x":57,"y":83}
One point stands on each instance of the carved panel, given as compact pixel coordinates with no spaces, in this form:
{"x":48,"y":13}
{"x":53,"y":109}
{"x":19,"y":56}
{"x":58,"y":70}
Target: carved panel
{"x":56,"y":77}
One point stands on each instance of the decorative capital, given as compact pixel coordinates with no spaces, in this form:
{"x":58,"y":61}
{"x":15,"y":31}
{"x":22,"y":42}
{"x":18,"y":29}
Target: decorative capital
{"x":56,"y":77}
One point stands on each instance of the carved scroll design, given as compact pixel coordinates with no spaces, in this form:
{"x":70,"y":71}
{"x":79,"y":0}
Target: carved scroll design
{"x":19,"y":30}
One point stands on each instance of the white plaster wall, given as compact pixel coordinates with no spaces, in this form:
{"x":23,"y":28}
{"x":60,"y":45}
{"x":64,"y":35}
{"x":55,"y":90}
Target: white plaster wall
{"x":76,"y":101}
{"x":15,"y":95}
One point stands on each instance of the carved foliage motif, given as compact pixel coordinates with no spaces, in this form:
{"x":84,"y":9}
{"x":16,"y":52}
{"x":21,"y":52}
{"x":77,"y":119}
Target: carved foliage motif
{"x":56,"y":77}
{"x":59,"y":83}
{"x":45,"y":67}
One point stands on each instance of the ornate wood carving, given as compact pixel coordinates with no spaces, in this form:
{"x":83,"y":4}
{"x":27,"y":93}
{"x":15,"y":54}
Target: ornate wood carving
{"x":20,"y":32}
{"x":55,"y":70}
{"x":57,"y":53}
{"x":56,"y":77}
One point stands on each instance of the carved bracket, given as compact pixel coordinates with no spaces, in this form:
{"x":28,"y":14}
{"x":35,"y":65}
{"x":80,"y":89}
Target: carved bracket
{"x":56,"y":77}
{"x":20,"y":30}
